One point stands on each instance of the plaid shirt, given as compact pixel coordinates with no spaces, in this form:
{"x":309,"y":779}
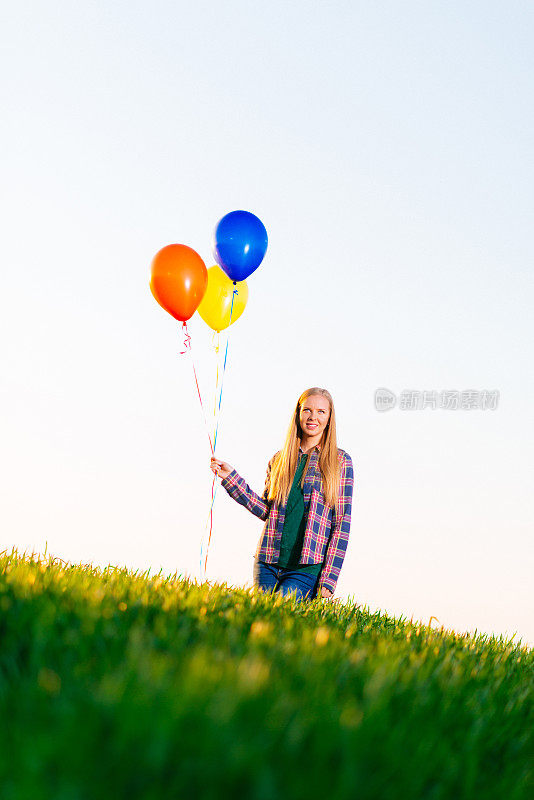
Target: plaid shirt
{"x":327,"y":530}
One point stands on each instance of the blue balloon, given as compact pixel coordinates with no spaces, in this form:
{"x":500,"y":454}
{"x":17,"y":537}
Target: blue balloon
{"x":239,"y":244}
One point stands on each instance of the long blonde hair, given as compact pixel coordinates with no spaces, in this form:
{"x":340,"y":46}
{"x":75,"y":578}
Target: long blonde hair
{"x":285,"y":464}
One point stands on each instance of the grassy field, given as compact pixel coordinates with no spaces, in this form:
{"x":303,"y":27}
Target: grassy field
{"x":115,"y":685}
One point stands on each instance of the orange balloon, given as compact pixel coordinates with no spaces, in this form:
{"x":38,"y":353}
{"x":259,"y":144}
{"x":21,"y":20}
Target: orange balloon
{"x":179,"y":280}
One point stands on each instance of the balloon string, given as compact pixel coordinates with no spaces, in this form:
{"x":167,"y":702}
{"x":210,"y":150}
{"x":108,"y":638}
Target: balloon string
{"x":224,"y":369}
{"x":213,"y":493}
{"x":214,"y":486}
{"x":216,"y":344}
{"x":202,"y":406}
{"x":187,"y":339}
{"x":217,"y":348}
{"x":187,"y":345}
{"x":210,"y":521}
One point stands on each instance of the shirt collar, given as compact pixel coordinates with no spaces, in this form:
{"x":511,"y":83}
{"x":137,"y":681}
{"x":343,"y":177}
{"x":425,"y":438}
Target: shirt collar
{"x":316,"y":449}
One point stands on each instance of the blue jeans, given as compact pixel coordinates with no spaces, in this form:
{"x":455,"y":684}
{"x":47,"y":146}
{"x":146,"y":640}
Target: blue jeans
{"x":269,"y":576}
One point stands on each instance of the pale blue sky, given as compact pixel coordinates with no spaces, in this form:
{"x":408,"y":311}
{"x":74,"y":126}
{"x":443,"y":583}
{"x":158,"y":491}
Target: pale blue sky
{"x":388,"y":150}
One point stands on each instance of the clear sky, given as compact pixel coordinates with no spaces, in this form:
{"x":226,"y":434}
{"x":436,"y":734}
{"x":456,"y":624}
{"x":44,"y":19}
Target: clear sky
{"x":387,"y":147}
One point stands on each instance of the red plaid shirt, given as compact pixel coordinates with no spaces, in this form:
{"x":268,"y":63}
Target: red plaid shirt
{"x":327,"y":530}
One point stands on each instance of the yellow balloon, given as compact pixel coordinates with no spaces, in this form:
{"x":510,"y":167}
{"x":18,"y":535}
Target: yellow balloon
{"x":215,"y":306}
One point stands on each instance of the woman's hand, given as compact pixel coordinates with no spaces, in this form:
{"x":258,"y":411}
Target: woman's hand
{"x":220,"y":468}
{"x":326,"y":592}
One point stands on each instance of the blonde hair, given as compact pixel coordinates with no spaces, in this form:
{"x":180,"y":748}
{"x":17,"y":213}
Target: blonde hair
{"x":285,"y":462}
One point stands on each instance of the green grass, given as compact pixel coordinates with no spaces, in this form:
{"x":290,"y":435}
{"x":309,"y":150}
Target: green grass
{"x":115,"y":685}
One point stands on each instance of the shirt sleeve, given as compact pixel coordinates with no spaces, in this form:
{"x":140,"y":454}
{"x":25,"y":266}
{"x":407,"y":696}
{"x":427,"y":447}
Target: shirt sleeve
{"x":339,"y":538}
{"x":241,"y":492}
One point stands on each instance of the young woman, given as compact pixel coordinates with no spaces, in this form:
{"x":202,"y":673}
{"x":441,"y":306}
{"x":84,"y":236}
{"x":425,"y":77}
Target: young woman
{"x":306,"y":503}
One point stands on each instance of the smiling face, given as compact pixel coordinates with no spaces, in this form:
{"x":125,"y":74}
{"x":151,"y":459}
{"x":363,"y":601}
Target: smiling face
{"x":314,"y":415}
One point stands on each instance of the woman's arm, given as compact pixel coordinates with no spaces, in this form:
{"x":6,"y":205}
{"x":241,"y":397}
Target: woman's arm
{"x":241,"y":492}
{"x":339,"y":539}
